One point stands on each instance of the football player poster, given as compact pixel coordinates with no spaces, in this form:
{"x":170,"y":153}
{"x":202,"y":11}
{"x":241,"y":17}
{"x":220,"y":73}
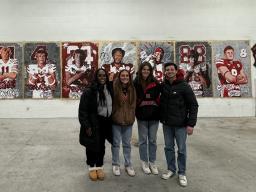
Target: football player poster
{"x":115,"y":56}
{"x":42,"y":73}
{"x":194,"y":58}
{"x":10,"y":71}
{"x":232,"y":68}
{"x":156,"y":53}
{"x":79,"y":63}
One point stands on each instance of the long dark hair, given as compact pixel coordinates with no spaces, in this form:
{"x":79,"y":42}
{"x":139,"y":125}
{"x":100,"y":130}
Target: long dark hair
{"x":100,"y":87}
{"x":150,"y":78}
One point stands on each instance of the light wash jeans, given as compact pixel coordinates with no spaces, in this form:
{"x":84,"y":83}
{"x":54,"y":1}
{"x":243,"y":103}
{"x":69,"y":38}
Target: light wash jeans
{"x":180,"y":135}
{"x":124,"y":134}
{"x":147,"y":131}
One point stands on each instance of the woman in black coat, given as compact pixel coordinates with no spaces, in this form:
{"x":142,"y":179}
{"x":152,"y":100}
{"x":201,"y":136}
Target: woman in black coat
{"x":95,"y":111}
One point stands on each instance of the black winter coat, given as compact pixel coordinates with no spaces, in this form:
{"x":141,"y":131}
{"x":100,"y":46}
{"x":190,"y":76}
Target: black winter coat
{"x":88,"y":118}
{"x":147,"y":105}
{"x":178,"y":104}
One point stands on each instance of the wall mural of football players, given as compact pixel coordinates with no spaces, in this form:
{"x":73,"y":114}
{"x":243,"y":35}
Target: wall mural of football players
{"x":80,"y":61}
{"x":194,"y":58}
{"x":156,"y":53}
{"x":232,"y":64}
{"x":10,"y":71}
{"x":115,"y":56}
{"x":42,"y":70}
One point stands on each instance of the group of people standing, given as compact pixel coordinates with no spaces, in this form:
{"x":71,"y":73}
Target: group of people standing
{"x":108,"y":109}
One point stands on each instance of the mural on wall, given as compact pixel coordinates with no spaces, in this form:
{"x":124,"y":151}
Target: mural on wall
{"x":115,"y":56}
{"x":79,"y":63}
{"x":156,"y":53}
{"x":232,"y":68}
{"x":194,"y":58}
{"x":212,"y":68}
{"x":253,"y":49}
{"x":42,"y":73}
{"x":10,"y":71}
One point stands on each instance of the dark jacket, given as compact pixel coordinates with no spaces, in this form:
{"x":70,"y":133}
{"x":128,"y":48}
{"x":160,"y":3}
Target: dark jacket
{"x":178,"y":104}
{"x":88,"y":118}
{"x":147,"y":105}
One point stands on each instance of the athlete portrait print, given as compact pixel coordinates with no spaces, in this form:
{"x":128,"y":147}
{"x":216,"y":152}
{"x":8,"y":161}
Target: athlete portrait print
{"x":10,"y":71}
{"x":42,"y":79}
{"x":232,"y":61}
{"x":194,"y":58}
{"x":157,"y":54}
{"x":115,"y":56}
{"x":80,"y":61}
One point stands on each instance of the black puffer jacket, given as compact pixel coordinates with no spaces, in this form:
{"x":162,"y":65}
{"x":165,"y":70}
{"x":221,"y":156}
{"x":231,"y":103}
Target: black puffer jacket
{"x":88,"y":118}
{"x":147,"y":105}
{"x":178,"y":104}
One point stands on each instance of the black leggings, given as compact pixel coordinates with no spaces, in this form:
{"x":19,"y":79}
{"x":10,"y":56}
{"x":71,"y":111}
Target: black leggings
{"x":105,"y":133}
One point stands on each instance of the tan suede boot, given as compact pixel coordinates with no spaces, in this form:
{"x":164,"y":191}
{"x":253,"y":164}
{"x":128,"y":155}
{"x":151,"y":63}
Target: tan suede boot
{"x":100,"y":173}
{"x":93,"y":173}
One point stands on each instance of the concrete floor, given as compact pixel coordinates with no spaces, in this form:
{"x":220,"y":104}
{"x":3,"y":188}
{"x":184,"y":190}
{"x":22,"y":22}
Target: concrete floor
{"x":44,"y":155}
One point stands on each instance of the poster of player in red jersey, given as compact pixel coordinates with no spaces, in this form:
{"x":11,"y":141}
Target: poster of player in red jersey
{"x":156,"y":53}
{"x":42,"y":70}
{"x":79,"y":63}
{"x":232,"y":66}
{"x":194,"y":58}
{"x":10,"y":71}
{"x":115,"y":56}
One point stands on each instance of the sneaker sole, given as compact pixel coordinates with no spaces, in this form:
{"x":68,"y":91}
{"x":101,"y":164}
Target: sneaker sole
{"x":129,"y":174}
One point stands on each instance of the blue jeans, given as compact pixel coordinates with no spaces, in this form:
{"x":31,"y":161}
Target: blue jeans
{"x":123,"y":133}
{"x":147,"y":131}
{"x":180,"y":135}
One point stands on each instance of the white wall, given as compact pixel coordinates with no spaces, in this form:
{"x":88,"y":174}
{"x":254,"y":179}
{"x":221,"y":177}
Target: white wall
{"x":56,"y":20}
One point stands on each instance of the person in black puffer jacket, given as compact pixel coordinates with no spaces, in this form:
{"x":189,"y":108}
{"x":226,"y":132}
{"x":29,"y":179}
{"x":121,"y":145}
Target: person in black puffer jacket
{"x":178,"y":113}
{"x":147,"y":114}
{"x":95,"y":110}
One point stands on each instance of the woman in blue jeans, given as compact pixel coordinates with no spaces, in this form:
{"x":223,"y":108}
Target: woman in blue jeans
{"x":147,"y":114}
{"x":124,"y":103}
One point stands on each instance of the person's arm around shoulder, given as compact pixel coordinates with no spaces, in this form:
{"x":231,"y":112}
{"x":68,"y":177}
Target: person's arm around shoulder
{"x":192,"y":107}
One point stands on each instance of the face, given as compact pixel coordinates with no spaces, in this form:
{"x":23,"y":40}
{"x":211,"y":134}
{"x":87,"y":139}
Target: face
{"x":118,"y":57}
{"x":40,"y":58}
{"x":77,"y":59}
{"x":101,"y":76}
{"x":158,"y":56}
{"x":170,"y":72}
{"x":5,"y":54}
{"x":145,"y":72}
{"x":229,"y":54}
{"x":124,"y":77}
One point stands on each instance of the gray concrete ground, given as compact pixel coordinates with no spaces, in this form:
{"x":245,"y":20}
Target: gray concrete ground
{"x":44,"y":155}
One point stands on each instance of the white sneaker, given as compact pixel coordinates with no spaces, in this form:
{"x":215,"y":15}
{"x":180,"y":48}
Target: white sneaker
{"x":130,"y":171}
{"x":145,"y":167}
{"x":183,"y":180}
{"x":116,"y":170}
{"x":153,"y":168}
{"x":168,"y":174}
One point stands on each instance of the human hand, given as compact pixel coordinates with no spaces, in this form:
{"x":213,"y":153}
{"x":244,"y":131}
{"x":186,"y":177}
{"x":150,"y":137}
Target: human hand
{"x":111,"y":76}
{"x":189,"y":130}
{"x":88,"y":131}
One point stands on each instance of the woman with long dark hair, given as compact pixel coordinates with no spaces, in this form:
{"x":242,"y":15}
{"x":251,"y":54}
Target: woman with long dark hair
{"x":95,"y":110}
{"x":147,"y":114}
